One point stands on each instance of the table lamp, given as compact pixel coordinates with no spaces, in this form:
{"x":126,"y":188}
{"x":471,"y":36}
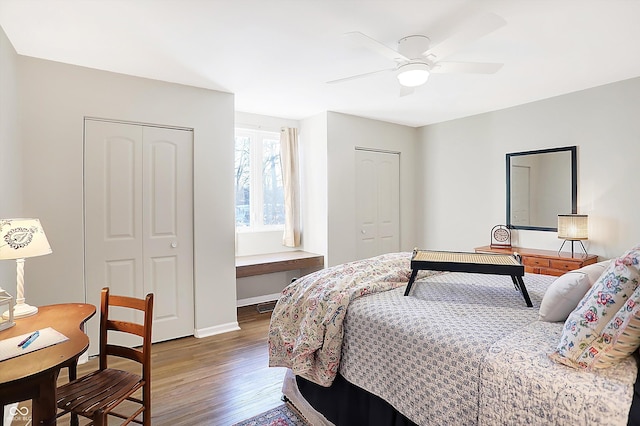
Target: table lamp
{"x":20,"y":239}
{"x":573,"y":227}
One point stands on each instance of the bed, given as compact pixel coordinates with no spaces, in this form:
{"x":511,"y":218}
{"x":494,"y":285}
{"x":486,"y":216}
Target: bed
{"x":462,"y":349}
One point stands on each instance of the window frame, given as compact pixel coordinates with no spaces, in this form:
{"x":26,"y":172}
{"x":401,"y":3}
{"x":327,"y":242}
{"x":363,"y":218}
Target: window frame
{"x":256,"y":192}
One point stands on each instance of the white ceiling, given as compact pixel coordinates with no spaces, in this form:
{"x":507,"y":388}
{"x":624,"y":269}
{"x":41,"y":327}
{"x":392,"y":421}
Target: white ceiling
{"x":277,"y":55}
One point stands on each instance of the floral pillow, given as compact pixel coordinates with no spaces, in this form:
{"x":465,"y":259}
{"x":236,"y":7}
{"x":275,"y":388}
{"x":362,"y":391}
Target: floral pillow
{"x":564,"y":294}
{"x":605,"y":326}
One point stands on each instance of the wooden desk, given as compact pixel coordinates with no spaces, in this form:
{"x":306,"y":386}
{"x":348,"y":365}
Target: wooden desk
{"x":34,"y":375}
{"x":247,"y":266}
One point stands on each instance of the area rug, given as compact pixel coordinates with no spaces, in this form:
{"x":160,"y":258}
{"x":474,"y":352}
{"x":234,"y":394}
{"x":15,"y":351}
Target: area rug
{"x":283,"y":415}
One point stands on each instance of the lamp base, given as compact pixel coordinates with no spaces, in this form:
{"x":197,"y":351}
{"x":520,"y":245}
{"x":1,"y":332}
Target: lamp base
{"x":21,"y":310}
{"x":572,"y":252}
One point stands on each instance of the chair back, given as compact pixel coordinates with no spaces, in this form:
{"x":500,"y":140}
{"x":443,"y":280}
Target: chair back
{"x":140,"y":354}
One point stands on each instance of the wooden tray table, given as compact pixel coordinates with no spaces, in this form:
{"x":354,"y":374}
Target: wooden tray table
{"x":480,"y":263}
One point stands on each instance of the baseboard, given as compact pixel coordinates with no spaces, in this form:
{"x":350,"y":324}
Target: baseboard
{"x":233,"y":326}
{"x":258,"y":299}
{"x":218,"y":329}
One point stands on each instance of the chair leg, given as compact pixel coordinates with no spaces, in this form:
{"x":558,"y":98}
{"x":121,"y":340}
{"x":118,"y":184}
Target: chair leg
{"x":146,"y":400}
{"x":100,"y":420}
{"x":73,"y":374}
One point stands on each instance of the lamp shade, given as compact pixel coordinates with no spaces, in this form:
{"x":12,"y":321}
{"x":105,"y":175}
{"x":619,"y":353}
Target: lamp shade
{"x":573,"y":227}
{"x":22,"y":238}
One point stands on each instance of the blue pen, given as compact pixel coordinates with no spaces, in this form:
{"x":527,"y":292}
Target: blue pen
{"x":26,"y":338}
{"x":30,"y":340}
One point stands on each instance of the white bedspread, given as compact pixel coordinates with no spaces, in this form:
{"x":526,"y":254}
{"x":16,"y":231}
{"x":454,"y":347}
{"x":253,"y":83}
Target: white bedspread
{"x":464,"y":349}
{"x":521,"y":385}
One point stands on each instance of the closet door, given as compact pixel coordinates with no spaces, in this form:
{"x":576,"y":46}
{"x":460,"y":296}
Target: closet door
{"x":139,"y":220}
{"x":377,"y":203}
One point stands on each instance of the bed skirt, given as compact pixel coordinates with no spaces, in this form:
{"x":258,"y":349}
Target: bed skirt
{"x":348,"y":404}
{"x":341,"y":404}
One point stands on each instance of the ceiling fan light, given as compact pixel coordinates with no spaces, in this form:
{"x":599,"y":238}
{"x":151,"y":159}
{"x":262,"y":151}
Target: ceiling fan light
{"x":413,"y":75}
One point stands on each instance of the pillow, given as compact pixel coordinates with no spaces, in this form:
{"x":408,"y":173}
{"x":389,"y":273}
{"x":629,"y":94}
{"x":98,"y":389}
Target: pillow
{"x":605,"y":326}
{"x":566,"y":291}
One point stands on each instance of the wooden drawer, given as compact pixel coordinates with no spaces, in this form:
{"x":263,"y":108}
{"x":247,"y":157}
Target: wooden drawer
{"x":564,"y":265}
{"x":545,"y":262}
{"x":531,"y":270}
{"x":536,"y":261}
{"x":550,"y":271}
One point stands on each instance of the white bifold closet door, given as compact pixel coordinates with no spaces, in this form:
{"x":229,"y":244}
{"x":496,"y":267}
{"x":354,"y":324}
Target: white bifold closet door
{"x":377,"y":203}
{"x":138,"y":183}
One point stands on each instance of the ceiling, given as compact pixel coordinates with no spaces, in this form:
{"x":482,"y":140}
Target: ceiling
{"x":277,"y":55}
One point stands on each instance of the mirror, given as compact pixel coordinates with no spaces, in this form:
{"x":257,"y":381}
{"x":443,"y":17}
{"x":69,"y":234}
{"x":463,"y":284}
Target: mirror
{"x":540,"y":185}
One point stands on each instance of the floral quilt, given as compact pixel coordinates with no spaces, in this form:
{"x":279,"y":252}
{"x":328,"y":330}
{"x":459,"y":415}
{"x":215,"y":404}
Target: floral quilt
{"x":306,"y":328}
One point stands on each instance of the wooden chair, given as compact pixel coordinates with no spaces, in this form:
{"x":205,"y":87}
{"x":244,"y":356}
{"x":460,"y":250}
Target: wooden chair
{"x":95,"y":395}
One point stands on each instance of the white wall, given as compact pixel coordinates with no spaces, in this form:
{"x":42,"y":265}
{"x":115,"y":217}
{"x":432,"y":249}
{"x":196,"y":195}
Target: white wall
{"x":313,"y":184}
{"x":264,"y":288}
{"x":462,"y":172}
{"x":10,"y":151}
{"x":344,"y":134}
{"x":54,"y":99}
{"x":263,"y":122}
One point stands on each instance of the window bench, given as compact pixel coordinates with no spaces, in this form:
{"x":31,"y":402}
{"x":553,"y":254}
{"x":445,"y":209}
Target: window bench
{"x":247,"y":266}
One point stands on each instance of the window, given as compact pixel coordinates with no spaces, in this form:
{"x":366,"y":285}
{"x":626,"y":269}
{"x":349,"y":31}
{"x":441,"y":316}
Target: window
{"x":258,"y":180}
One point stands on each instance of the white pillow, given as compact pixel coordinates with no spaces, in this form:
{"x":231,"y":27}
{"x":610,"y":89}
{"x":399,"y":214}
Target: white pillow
{"x":563,"y":295}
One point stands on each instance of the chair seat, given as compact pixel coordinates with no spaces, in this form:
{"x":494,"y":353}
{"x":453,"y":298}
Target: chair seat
{"x":97,"y":392}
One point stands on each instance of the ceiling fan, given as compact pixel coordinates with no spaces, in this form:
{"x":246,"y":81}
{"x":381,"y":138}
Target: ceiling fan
{"x":415,"y":59}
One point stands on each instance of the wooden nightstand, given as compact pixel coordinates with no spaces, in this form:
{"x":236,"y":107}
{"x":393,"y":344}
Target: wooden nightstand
{"x":547,"y":262}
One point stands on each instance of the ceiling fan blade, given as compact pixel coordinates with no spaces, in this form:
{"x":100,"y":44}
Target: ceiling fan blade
{"x":466,"y":67}
{"x":354,"y":77}
{"x":469,"y":31}
{"x":376,"y":46}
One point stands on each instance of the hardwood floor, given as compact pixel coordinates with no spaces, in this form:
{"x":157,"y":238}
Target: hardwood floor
{"x":218,"y":380}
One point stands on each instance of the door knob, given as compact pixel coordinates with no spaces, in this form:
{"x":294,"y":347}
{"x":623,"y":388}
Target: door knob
{"x":174,"y":244}
{"x":363,"y":231}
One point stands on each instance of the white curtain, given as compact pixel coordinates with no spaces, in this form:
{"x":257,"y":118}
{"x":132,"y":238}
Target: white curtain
{"x":289,"y":159}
